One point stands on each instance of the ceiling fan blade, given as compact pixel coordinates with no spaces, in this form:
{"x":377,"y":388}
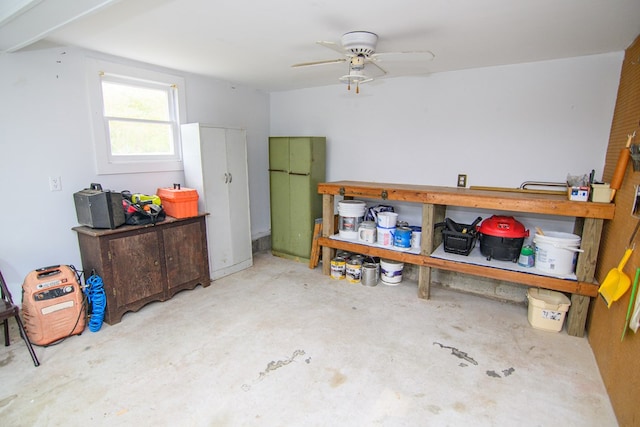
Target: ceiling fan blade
{"x":382,"y":70}
{"x":421,"y":55}
{"x":327,"y":61}
{"x":333,"y":46}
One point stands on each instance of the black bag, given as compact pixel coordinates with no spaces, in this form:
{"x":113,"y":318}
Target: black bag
{"x":141,"y":213}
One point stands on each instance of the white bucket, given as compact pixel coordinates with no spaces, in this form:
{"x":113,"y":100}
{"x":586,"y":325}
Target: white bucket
{"x":385,"y":236}
{"x":351,"y":214}
{"x":391,"y":271}
{"x":556,"y":252}
{"x":387,"y":219}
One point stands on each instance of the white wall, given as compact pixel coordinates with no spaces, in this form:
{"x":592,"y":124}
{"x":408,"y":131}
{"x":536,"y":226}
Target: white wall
{"x":499,"y":125}
{"x":45,"y":131}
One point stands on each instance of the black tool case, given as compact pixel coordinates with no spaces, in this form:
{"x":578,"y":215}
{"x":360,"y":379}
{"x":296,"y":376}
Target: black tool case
{"x":458,"y":238}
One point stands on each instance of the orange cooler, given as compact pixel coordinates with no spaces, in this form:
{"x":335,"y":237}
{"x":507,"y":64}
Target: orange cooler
{"x":179,"y":202}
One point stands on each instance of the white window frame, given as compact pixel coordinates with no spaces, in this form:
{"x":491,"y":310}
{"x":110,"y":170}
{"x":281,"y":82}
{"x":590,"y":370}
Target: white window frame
{"x":105,"y":162}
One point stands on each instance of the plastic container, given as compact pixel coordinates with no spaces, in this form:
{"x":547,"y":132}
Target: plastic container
{"x":527,"y":257}
{"x":179,"y":202}
{"x":547,"y":309}
{"x":391,"y":271}
{"x":351,"y":214}
{"x":600,"y":193}
{"x":556,"y":252}
{"x":385,"y":236}
{"x":367,"y":232}
{"x":387,"y":219}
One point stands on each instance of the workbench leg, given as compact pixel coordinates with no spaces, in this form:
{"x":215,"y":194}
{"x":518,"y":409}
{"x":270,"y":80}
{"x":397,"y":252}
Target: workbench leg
{"x":431,"y":214}
{"x":590,"y":230}
{"x":328,"y":229}
{"x":424,"y":282}
{"x":577,"y":316}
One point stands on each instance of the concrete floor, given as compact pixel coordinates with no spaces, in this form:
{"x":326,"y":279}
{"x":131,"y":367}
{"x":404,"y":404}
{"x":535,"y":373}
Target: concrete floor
{"x":281,"y":345}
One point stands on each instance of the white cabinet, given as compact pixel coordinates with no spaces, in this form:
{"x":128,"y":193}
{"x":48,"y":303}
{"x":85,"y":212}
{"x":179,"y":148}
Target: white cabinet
{"x":215,"y":165}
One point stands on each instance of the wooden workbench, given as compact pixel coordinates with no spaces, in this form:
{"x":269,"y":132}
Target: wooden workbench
{"x":589,"y":219}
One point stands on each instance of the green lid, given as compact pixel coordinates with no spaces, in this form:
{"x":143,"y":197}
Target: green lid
{"x":527,"y":250}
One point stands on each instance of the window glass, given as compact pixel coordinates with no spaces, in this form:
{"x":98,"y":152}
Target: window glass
{"x":140,"y":114}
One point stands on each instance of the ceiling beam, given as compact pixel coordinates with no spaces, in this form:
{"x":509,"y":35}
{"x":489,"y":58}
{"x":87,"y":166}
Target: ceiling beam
{"x":23,"y":22}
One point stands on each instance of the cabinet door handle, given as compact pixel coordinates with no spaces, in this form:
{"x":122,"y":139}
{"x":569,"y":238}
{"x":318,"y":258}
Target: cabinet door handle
{"x":230,"y":178}
{"x":226,"y":178}
{"x":299,"y":174}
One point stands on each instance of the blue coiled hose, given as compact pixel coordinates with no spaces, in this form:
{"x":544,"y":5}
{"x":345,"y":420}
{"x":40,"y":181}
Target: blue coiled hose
{"x":98,"y":300}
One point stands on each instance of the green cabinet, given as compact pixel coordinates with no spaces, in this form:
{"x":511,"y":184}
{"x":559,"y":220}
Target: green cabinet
{"x":296,"y":166}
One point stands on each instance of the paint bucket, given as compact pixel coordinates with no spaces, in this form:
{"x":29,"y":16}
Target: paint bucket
{"x":351,"y":214}
{"x":354,"y":270}
{"x":402,"y":237}
{"x":391,"y":271}
{"x":367,"y":232}
{"x":369,"y":274}
{"x":338,"y":268}
{"x":556,"y":252}
{"x":387,"y":219}
{"x":416,"y":236}
{"x":385,"y":236}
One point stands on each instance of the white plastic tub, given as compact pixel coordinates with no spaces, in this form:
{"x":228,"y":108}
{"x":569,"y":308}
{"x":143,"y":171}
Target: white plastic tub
{"x":547,"y":309}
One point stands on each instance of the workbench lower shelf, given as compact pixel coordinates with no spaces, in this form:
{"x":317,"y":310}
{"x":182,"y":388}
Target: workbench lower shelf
{"x":472,"y":264}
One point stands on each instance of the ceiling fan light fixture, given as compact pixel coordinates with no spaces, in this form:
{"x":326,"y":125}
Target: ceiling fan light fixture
{"x":356,"y":77}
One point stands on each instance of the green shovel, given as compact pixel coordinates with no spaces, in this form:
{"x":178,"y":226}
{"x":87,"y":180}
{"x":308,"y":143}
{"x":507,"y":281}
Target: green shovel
{"x":631,"y":301}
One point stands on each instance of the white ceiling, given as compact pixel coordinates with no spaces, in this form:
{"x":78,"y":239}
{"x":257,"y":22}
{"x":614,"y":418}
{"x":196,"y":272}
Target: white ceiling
{"x":254,"y":43}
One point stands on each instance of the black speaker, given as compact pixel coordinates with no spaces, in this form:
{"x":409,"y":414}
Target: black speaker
{"x":96,"y":208}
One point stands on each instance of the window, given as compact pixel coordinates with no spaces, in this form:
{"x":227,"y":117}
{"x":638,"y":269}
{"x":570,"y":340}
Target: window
{"x":136,"y":118}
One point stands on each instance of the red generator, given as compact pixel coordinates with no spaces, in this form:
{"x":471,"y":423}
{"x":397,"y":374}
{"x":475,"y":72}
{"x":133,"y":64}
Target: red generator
{"x":52,"y":304}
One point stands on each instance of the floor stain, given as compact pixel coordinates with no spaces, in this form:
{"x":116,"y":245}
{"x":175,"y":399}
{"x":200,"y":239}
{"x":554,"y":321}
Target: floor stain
{"x":434,"y":409}
{"x":458,"y":353}
{"x":337,"y":379}
{"x":459,"y":407}
{"x":273,"y":365}
{"x":7,"y":360}
{"x":507,"y":372}
{"x":7,"y":400}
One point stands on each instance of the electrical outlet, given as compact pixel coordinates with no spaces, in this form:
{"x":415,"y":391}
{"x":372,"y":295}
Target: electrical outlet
{"x":55,"y":183}
{"x":462,"y":180}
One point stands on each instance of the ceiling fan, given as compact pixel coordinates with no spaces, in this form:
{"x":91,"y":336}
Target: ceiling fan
{"x":359,"y":49}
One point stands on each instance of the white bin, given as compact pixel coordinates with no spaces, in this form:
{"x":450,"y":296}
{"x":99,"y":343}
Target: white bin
{"x":547,"y":309}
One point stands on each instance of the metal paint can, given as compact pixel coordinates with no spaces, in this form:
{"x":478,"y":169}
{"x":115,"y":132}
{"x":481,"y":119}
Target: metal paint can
{"x":402,"y":237}
{"x":338,"y":268}
{"x":369,"y":274}
{"x":354,"y":270}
